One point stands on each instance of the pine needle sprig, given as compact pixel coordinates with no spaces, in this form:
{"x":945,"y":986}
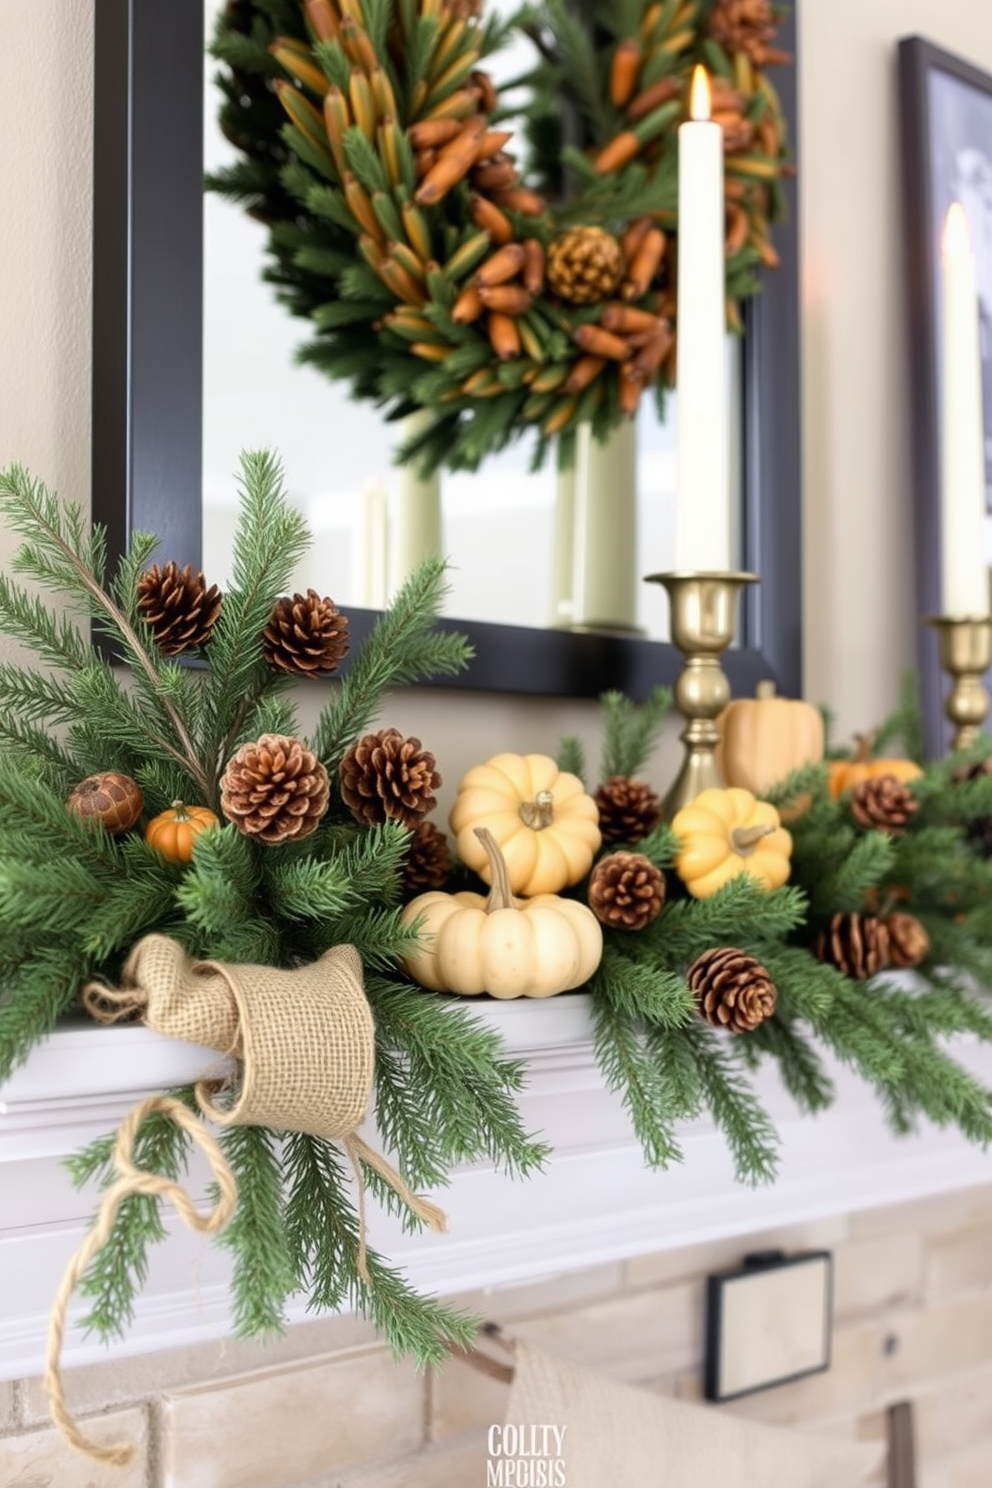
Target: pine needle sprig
{"x":800,"y":1066}
{"x":631,"y":730}
{"x":632,"y":1071}
{"x":735,"y":1108}
{"x":263,"y":1275}
{"x":399,"y":651}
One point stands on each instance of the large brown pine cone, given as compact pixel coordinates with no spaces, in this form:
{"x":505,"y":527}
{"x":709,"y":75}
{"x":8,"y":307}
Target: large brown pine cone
{"x":908,"y":941}
{"x":306,"y":635}
{"x":428,"y":860}
{"x":856,"y":944}
{"x":745,"y":26}
{"x":386,"y":775}
{"x":584,"y":265}
{"x":275,"y":789}
{"x":883,"y":803}
{"x":732,"y":989}
{"x":628,"y":809}
{"x":176,"y":603}
{"x":626,"y":891}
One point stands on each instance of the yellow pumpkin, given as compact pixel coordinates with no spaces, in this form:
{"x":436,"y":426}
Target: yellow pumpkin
{"x":765,"y":737}
{"x":500,"y":945}
{"x":847,"y":773}
{"x":174,"y":831}
{"x":724,"y":833}
{"x":544,"y":823}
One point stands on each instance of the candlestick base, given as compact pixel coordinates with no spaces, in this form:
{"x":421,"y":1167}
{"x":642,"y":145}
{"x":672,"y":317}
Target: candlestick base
{"x":703,"y":609}
{"x":966,"y":655}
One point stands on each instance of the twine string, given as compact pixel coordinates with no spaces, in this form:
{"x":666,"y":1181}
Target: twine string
{"x":360,"y":1152}
{"x":131,"y":1180}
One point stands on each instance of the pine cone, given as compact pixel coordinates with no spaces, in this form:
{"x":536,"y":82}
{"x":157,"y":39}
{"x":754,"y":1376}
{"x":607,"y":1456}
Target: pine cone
{"x":732,"y":989}
{"x":908,"y":941}
{"x":584,"y":265}
{"x":744,"y":26}
{"x":883,"y":803}
{"x":176,"y":603}
{"x":978,"y":831}
{"x":856,"y":944}
{"x":306,"y":635}
{"x":628,"y":809}
{"x":385,"y":775}
{"x":428,"y":860}
{"x":275,"y":789}
{"x":626,"y":891}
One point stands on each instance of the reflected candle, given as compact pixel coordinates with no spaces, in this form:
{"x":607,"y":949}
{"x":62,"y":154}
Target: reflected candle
{"x":964,"y":580}
{"x":703,"y":483}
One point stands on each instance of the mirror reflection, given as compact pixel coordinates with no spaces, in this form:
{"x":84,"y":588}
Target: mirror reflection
{"x":520,"y":548}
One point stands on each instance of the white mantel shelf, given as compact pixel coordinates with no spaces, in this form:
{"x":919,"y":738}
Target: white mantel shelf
{"x":596,"y":1201}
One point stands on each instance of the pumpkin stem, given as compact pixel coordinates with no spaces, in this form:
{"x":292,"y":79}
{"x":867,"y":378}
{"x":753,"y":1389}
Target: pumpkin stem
{"x":540,"y":812}
{"x":865,"y":744}
{"x":745,"y":839}
{"x":500,"y":894}
{"x":179,"y":807}
{"x":765,"y":689}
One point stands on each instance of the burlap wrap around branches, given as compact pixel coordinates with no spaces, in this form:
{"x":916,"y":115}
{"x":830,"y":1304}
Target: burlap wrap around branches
{"x":304,"y":1043}
{"x":304,"y":1039}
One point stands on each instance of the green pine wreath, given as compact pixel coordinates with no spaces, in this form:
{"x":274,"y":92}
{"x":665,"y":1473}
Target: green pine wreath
{"x":435,"y":273}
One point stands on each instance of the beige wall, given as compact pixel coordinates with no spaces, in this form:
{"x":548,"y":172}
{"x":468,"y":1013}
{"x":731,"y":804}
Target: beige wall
{"x":860,"y":615}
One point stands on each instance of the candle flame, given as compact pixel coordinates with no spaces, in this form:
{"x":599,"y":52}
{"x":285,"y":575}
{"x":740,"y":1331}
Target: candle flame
{"x":700,"y":106}
{"x":957,"y":239}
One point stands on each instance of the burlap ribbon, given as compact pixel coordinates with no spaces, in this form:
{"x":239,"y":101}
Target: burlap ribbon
{"x":303,"y":1042}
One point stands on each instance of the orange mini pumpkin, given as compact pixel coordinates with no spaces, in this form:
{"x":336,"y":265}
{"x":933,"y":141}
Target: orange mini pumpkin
{"x":174,"y":831}
{"x":845,"y":774}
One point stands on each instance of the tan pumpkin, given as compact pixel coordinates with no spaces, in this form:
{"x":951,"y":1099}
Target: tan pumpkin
{"x":765,"y":737}
{"x":847,"y":773}
{"x":543,"y":820}
{"x":174,"y":831}
{"x":724,"y":833}
{"x":500,"y":945}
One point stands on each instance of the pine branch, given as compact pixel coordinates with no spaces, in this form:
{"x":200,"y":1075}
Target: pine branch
{"x":571,"y":757}
{"x":399,"y":651}
{"x":630,"y":1070}
{"x":631,"y":730}
{"x":263,"y":1272}
{"x":734,"y":1107}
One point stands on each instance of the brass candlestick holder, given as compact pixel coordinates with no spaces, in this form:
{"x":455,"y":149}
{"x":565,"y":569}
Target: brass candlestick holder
{"x":703,"y":611}
{"x":966,"y":655}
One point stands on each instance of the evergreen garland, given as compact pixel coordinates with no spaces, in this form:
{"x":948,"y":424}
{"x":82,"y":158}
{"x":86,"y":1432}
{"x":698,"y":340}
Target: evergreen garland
{"x":330,"y":105}
{"x":73,"y":899}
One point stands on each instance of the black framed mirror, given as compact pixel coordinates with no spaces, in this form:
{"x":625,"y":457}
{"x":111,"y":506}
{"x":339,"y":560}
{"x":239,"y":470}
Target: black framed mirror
{"x":147,"y":379}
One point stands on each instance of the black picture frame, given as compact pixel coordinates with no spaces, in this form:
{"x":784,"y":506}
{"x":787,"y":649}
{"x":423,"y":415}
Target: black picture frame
{"x":924,"y":201}
{"x":755,"y":1267}
{"x":147,"y":383}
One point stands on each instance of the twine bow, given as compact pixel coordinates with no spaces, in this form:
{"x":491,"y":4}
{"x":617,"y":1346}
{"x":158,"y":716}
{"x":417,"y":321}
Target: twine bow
{"x":304,"y":1041}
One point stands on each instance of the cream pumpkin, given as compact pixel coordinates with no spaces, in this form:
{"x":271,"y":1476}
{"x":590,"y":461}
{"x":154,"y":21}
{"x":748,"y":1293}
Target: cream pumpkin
{"x":765,"y":737}
{"x":506,"y":947}
{"x":543,"y":820}
{"x":724,"y":833}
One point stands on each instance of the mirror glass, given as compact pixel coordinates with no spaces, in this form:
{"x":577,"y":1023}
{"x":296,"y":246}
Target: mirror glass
{"x":498,"y":524}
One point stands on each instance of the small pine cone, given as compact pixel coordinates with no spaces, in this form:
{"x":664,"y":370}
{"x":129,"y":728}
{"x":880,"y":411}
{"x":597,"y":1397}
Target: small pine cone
{"x":908,"y":941}
{"x":856,"y":944}
{"x":176,"y":603}
{"x":628,"y":809}
{"x":743,"y":26}
{"x":110,"y":797}
{"x":385,"y":775}
{"x":626,"y":891}
{"x":732,"y":989}
{"x":978,"y":831}
{"x":306,"y":635}
{"x":428,"y":860}
{"x":883,"y":803}
{"x":584,"y":265}
{"x":275,"y":789}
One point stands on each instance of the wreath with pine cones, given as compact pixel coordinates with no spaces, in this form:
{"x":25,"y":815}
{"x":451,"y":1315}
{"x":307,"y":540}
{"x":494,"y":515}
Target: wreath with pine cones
{"x":435,"y":274}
